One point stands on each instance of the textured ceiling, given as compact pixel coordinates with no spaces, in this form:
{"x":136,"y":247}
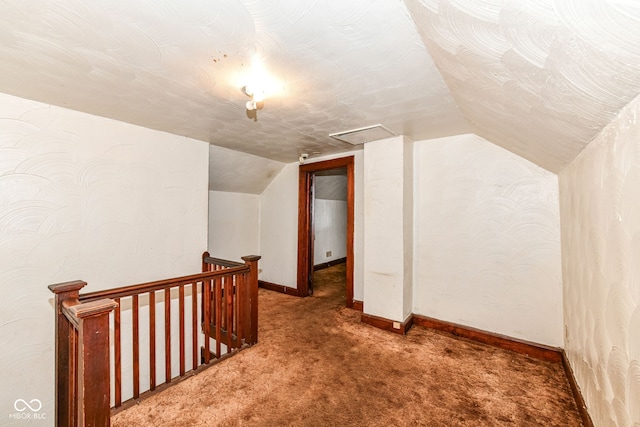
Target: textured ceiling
{"x":179,"y":66}
{"x":539,"y":78}
{"x":239,"y":172}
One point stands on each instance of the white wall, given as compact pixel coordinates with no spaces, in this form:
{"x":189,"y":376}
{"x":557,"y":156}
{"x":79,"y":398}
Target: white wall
{"x":330,"y":228}
{"x":388,"y":211}
{"x":279,"y":228}
{"x":234,"y":225}
{"x":600,"y":212}
{"x":84,"y":197}
{"x":487,"y":240}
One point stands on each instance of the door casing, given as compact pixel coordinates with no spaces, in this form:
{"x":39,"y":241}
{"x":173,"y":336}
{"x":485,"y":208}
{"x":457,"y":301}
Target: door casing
{"x":305,"y":223}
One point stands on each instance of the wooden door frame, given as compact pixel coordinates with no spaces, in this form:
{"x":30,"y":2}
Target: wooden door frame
{"x":305,"y":232}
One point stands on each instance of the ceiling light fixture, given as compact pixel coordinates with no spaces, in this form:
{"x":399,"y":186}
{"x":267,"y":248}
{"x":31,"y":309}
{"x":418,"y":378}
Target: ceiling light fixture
{"x":257,"y":97}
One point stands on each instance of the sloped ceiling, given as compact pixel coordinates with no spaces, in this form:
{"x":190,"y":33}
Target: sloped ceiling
{"x":538,"y":78}
{"x":239,"y":172}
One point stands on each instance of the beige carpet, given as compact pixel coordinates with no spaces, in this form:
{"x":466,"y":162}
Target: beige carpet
{"x":317,"y":365}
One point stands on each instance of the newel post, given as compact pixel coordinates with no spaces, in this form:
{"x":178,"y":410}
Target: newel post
{"x":205,"y":265}
{"x":82,"y":358}
{"x":93,"y":361}
{"x":252,"y":262}
{"x":64,"y":292}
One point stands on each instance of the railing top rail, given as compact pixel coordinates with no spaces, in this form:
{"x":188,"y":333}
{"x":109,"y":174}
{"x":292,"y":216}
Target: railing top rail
{"x":126,"y":291}
{"x":222,"y":262}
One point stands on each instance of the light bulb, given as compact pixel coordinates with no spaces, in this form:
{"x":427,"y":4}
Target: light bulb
{"x":251,"y":105}
{"x":258,"y":95}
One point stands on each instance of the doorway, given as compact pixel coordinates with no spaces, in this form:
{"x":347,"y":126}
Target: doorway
{"x":306,"y":187}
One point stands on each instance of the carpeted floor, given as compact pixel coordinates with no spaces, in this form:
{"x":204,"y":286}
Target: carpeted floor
{"x":317,"y":365}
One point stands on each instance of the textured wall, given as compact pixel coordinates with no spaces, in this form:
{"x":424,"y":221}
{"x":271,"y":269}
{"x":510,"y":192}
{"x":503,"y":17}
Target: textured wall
{"x":387,"y":204}
{"x":600,"y":212}
{"x":330,"y":230}
{"x":487,"y":240}
{"x":234,"y":225}
{"x":279,"y":228}
{"x":83,"y":197}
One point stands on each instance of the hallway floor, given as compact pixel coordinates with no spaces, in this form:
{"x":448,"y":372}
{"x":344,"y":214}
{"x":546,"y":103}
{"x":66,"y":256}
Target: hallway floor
{"x":317,"y":365}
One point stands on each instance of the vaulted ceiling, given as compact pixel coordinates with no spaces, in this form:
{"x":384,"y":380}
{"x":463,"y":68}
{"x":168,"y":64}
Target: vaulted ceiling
{"x":539,"y":78}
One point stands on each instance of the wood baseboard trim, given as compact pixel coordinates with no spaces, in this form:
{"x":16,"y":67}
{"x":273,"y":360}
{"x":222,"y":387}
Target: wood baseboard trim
{"x":329,"y":264}
{"x":278,"y":288}
{"x":534,"y":350}
{"x":357,"y":305}
{"x":577,"y":394}
{"x":388,"y":324}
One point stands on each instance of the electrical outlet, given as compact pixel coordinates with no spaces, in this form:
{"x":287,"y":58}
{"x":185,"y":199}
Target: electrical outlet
{"x":328,"y":254}
{"x":396,"y":325}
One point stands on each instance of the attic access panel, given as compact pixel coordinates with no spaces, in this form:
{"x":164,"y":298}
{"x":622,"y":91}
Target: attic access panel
{"x":364,"y":134}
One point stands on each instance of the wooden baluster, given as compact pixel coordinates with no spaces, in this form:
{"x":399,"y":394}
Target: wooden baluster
{"x":234,"y":306}
{"x":241,"y":312}
{"x":247,"y":307}
{"x":73,"y":365}
{"x":205,"y":267}
{"x":252,"y":262}
{"x":223,"y":306}
{"x":206,"y":315}
{"x":239,"y":309}
{"x":64,"y":339}
{"x":237,"y":319}
{"x":152,"y":340}
{"x":218,"y":313}
{"x":135,"y":335}
{"x":240,"y":297}
{"x":167,"y":334}
{"x":229,"y":293}
{"x":181,"y":320}
{"x":194,"y":325}
{"x":117,"y":354}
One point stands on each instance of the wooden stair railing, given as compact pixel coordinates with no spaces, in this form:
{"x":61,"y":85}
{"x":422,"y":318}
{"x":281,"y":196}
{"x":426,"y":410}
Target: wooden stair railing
{"x":166,"y":315}
{"x":224,"y":311}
